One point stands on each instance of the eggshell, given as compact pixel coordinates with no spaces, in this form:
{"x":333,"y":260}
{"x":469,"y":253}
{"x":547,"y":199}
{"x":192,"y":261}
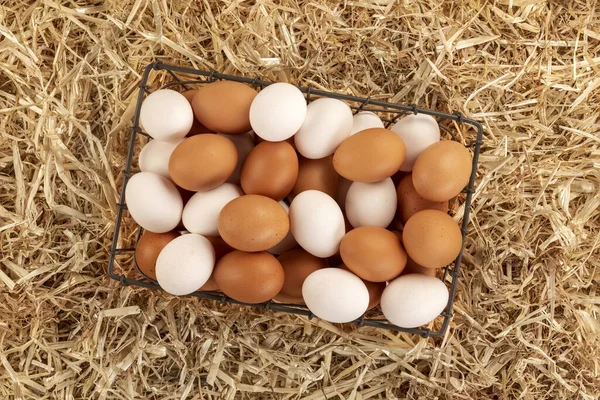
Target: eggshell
{"x":201,"y":213}
{"x":371,"y":155}
{"x":153,"y":202}
{"x":335,"y":295}
{"x":342,"y":192}
{"x":244,"y":144}
{"x":297,"y":265}
{"x":249,"y":277}
{"x":166,"y":115}
{"x":418,"y":132}
{"x":185,"y":264}
{"x":253,"y":223}
{"x":371,"y":204}
{"x":365,"y":120}
{"x":271,"y":170}
{"x":442,"y":171}
{"x":277,"y":112}
{"x":328,"y":123}
{"x":288,"y":242}
{"x":410,"y":202}
{"x":375,"y":289}
{"x":155,"y":155}
{"x":224,"y":107}
{"x":414,"y":268}
{"x":203,"y":162}
{"x":197,"y":128}
{"x":316,"y":175}
{"x":374,"y":254}
{"x":148,"y":248}
{"x":414,"y":300}
{"x":317,"y":223}
{"x":221,"y":248}
{"x":432,"y":238}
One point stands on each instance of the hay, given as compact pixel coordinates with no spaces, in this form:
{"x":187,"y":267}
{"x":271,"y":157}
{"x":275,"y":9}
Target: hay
{"x":526,"y":323}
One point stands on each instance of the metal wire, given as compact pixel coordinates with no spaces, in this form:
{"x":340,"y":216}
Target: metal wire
{"x":360,"y":104}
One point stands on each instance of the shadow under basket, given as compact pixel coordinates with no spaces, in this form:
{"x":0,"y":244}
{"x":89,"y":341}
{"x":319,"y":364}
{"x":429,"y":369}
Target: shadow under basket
{"x":187,"y":78}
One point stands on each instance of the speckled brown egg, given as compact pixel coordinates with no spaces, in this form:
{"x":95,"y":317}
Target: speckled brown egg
{"x":148,"y":248}
{"x":224,"y":107}
{"x":432,"y":238}
{"x":197,"y":127}
{"x":372,"y":253}
{"x":316,"y":175}
{"x":271,"y":170}
{"x":297,"y":265}
{"x":375,"y":290}
{"x":370,"y":155}
{"x":442,"y":171}
{"x":253,"y":223}
{"x":410,"y":202}
{"x":203,"y":162}
{"x":249,"y":277}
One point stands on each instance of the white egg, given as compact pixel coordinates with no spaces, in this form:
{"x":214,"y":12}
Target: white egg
{"x":154,"y":202}
{"x":371,"y":204}
{"x":317,"y":223}
{"x":244,"y":144}
{"x":365,"y":120}
{"x":166,"y":115}
{"x":277,"y":112}
{"x":335,"y":295}
{"x":185,"y":264}
{"x":418,"y":133}
{"x":155,"y":155}
{"x":328,"y":123}
{"x":288,"y":241}
{"x":414,"y":300}
{"x":201,"y":213}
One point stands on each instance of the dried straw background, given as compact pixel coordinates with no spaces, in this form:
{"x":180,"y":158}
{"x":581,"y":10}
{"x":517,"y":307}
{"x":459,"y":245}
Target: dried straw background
{"x":526,"y":323}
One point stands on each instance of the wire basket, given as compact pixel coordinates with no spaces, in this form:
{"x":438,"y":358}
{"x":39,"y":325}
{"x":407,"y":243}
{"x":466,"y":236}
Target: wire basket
{"x":388,"y":113}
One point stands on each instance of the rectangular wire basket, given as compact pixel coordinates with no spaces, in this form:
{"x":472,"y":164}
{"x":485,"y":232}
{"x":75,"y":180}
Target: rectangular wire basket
{"x":389,"y":113}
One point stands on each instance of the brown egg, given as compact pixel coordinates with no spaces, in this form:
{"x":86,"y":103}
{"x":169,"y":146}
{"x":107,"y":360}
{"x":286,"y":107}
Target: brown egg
{"x":203,"y":162}
{"x":148,"y":248}
{"x":258,"y":140}
{"x":432,"y":238}
{"x":249,"y":277}
{"x":210,"y":285}
{"x":370,"y":155}
{"x":297,"y":265}
{"x":375,"y":290}
{"x":442,"y":171}
{"x":224,"y":107}
{"x":414,"y":268}
{"x":410,"y":202}
{"x":197,"y":127}
{"x":253,"y":223}
{"x":186,"y":195}
{"x":284,"y":298}
{"x":220,"y":246}
{"x":374,"y":254}
{"x":271,"y":170}
{"x":316,"y":175}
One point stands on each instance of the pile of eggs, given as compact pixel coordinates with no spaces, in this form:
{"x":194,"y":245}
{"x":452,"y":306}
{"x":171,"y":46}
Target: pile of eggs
{"x":264,"y":197}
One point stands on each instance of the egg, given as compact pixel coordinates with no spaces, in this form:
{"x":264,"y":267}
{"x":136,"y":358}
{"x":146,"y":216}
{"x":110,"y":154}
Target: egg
{"x":221,"y":248}
{"x":316,"y":175}
{"x":253,"y":223}
{"x":197,"y":128}
{"x":369,"y":156}
{"x":288,"y":241}
{"x":414,"y":268}
{"x":328,"y":123}
{"x":418,"y":132}
{"x":365,"y":120}
{"x":249,"y":277}
{"x":244,"y":144}
{"x":317,"y":223}
{"x":271,"y":170}
{"x":371,"y":204}
{"x":372,"y":253}
{"x":185,"y":264}
{"x":203,"y":162}
{"x":410,"y":202}
{"x":414,"y":300}
{"x":375,"y":289}
{"x":155,"y":155}
{"x":432,"y":238}
{"x":335,"y":295}
{"x":166,"y":115}
{"x":442,"y":171}
{"x":297,"y":265}
{"x":277,"y":112}
{"x":148,"y":248}
{"x":201,"y":213}
{"x":224,"y":106}
{"x":342,"y":192}
{"x":153,"y":202}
